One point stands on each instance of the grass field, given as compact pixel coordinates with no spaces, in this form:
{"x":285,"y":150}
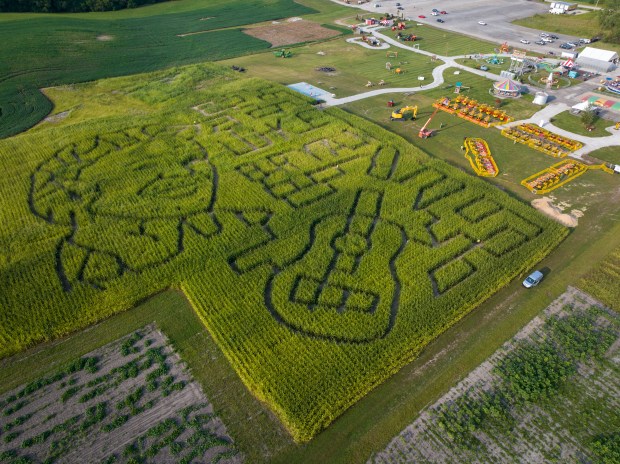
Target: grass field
{"x":609,"y":154}
{"x":354,"y":65}
{"x":444,"y":43}
{"x":346,"y":246}
{"x":572,"y":123}
{"x":41,"y":50}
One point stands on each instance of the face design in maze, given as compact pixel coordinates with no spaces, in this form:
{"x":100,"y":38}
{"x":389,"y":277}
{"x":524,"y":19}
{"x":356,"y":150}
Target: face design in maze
{"x":127,"y":201}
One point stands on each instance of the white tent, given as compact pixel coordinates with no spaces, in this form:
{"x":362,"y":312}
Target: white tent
{"x":597,"y":59}
{"x":583,"y":106}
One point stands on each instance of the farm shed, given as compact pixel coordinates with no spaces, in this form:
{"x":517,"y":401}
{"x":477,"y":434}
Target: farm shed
{"x":597,"y":59}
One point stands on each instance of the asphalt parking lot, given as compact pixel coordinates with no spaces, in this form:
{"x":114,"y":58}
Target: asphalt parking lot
{"x":463,"y":17}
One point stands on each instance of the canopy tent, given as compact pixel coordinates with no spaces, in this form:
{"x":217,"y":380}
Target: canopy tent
{"x":507,"y":88}
{"x":568,"y":64}
{"x":581,"y":106}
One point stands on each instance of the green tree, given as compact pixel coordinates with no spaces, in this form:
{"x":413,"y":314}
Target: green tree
{"x":589,"y":117}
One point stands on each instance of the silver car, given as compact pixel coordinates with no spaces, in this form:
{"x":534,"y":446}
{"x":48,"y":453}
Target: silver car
{"x":533,"y":279}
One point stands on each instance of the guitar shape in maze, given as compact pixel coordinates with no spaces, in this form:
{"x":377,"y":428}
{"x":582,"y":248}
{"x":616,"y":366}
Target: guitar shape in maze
{"x":331,"y":290}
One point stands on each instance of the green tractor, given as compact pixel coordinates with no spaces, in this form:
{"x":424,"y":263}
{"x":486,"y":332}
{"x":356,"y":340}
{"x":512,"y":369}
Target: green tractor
{"x":283,"y":53}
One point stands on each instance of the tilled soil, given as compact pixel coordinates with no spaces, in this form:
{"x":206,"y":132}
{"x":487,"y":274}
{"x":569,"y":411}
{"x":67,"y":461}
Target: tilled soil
{"x":287,"y":33}
{"x":134,"y":399}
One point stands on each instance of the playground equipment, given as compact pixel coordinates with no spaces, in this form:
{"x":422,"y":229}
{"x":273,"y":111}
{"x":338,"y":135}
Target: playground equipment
{"x":520,"y":63}
{"x":400,"y":113}
{"x":389,"y":54}
{"x":479,"y":156}
{"x":617,"y":126}
{"x":495,"y":60}
{"x":504,"y":48}
{"x":559,"y":174}
{"x":283,"y":53}
{"x":424,"y":132}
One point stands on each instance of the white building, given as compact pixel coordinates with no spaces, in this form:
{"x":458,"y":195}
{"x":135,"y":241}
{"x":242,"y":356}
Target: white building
{"x":561,"y":7}
{"x":597,"y":60}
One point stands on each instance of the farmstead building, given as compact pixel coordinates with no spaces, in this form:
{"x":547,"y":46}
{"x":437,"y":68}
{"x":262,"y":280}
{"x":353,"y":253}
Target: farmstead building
{"x":596,"y":59}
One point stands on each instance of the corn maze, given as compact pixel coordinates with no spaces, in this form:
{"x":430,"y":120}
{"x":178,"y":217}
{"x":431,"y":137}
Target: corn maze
{"x":321,"y":252}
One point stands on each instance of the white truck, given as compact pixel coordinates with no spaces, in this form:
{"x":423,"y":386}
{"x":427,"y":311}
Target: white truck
{"x":561,"y":7}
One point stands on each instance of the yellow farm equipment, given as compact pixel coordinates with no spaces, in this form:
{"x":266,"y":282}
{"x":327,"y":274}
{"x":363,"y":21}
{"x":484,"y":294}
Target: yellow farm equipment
{"x":400,"y":114}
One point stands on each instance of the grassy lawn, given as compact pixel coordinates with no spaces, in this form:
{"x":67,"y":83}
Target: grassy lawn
{"x":354,"y":65}
{"x":582,"y":25}
{"x":444,"y":42}
{"x":571,"y":122}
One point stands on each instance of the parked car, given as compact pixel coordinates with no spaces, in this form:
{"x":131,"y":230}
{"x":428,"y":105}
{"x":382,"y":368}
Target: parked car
{"x":524,"y":41}
{"x":540,"y":42}
{"x":439,"y":20}
{"x":594,"y":39}
{"x":397,"y":4}
{"x":443,"y":12}
{"x":482,"y":23}
{"x":572,"y":44}
{"x":544,"y":34}
{"x":554,"y":36}
{"x":399,"y":8}
{"x":533,"y":279}
{"x":435,"y":10}
{"x":548,"y":40}
{"x":566,"y":46}
{"x":435,"y":13}
{"x":422,"y":17}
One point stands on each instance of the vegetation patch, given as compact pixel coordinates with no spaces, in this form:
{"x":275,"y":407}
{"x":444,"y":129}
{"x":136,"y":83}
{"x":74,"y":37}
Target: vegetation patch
{"x":549,"y":395}
{"x":105,"y":416}
{"x":602,"y":281}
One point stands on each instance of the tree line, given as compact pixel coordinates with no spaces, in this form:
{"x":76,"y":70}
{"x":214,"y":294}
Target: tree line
{"x":69,"y":6}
